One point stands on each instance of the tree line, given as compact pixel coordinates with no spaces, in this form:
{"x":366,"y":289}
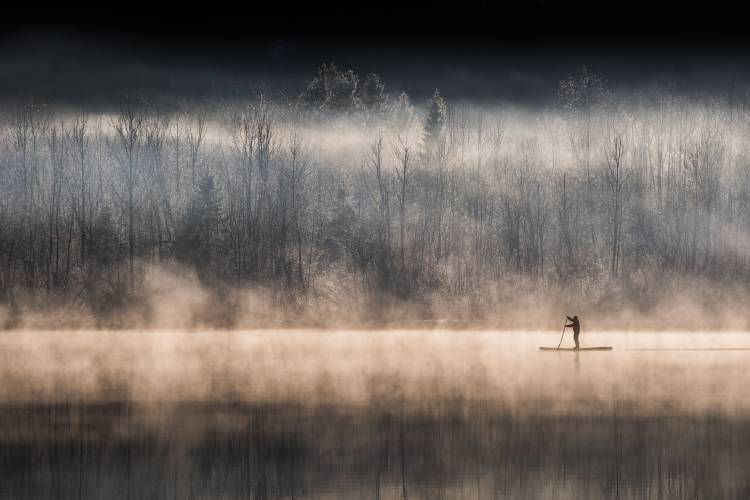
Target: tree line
{"x":344,"y":197}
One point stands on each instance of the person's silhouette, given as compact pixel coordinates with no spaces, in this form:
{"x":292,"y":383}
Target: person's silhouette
{"x":576,"y":326}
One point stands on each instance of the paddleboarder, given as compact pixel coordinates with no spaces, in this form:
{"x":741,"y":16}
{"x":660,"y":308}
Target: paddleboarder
{"x":576,"y":326}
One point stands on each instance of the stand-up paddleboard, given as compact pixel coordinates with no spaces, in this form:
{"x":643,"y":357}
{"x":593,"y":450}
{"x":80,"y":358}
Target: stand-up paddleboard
{"x":573,"y":349}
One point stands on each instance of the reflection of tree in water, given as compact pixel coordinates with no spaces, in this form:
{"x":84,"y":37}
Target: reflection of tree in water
{"x":443,"y":450}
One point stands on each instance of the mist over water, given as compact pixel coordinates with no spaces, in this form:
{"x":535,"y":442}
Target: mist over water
{"x":358,"y":368}
{"x":343,"y":414}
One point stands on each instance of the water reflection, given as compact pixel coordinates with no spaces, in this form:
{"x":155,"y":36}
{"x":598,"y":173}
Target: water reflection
{"x":449,"y":450}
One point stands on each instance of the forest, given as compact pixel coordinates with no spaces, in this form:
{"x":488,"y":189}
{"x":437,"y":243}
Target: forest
{"x":350,"y":205}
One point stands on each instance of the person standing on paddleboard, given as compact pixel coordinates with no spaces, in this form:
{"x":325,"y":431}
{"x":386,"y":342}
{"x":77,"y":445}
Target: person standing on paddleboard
{"x":576,"y":326}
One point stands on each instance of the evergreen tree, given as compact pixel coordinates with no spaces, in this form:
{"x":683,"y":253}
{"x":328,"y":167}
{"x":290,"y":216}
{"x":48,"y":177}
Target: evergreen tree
{"x":437,"y":116}
{"x":105,"y":247}
{"x":200,"y":233}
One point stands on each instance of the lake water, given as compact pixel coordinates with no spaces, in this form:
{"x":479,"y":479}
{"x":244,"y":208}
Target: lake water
{"x":373,"y":414}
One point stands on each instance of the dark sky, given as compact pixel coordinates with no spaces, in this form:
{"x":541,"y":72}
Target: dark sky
{"x":483,"y":51}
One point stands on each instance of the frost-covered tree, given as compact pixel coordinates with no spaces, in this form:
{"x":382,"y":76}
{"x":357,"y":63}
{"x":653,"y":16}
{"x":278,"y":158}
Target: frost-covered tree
{"x":437,"y":116}
{"x":584,"y":91}
{"x":402,"y":111}
{"x":129,"y":126}
{"x":371,"y":94}
{"x":582,"y":96}
{"x":332,"y":90}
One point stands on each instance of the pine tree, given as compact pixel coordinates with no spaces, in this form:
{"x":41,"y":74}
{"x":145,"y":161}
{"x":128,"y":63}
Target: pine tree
{"x":200,"y":234}
{"x":437,"y":117}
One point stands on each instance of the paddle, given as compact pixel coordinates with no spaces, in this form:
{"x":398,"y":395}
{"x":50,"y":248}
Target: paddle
{"x":563,"y":333}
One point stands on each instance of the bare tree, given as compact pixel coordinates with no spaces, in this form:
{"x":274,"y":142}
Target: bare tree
{"x":298,"y":165}
{"x":80,"y":141}
{"x":58,"y":151}
{"x":617,"y":178}
{"x":243,"y":132}
{"x":194,"y":137}
{"x":374,"y":161}
{"x":402,"y":152}
{"x":129,"y":125}
{"x":30,"y":125}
